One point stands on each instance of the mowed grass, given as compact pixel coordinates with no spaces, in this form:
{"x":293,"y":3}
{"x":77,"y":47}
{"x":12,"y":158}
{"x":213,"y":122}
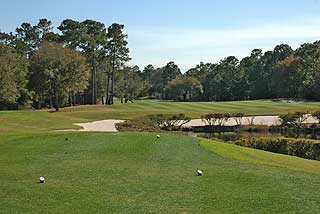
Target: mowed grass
{"x":136,"y":173}
{"x":44,"y":121}
{"x":191,"y":109}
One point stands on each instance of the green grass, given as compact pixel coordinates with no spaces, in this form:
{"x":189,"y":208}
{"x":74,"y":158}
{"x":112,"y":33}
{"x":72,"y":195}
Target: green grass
{"x":192,"y":109}
{"x":136,"y":173}
{"x":44,"y":121}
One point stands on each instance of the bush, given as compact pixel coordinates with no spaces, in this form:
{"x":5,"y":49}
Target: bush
{"x":216,"y":118}
{"x":316,"y":115}
{"x":154,"y":123}
{"x":175,"y":122}
{"x":304,"y":148}
{"x":237,"y":117}
{"x":140,"y":124}
{"x":293,"y":119}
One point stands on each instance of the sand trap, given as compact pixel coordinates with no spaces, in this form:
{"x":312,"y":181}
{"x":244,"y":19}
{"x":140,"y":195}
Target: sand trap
{"x":110,"y":125}
{"x":100,"y":126}
{"x":258,"y":120}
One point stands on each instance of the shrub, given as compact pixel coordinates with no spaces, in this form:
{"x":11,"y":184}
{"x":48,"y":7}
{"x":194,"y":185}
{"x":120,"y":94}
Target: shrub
{"x":304,"y":148}
{"x":154,"y":123}
{"x":316,"y":115}
{"x":293,"y":119}
{"x":250,"y":120}
{"x":170,"y":122}
{"x":138,"y":125}
{"x":216,"y":118}
{"x":237,"y":117}
{"x":209,"y":119}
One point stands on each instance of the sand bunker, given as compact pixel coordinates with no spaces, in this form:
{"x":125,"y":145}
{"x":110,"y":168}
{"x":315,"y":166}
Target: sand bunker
{"x":257,"y":120}
{"x":110,"y":125}
{"x":100,"y":126}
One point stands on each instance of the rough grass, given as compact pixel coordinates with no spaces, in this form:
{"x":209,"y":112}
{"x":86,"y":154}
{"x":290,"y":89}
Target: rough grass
{"x":136,"y":173}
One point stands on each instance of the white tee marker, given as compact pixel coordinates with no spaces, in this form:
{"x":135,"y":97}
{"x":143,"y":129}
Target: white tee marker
{"x":199,"y":172}
{"x":42,"y":180}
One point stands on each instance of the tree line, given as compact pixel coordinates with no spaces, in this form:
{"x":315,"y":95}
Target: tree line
{"x":41,"y":68}
{"x":280,"y":73}
{"x":87,"y":63}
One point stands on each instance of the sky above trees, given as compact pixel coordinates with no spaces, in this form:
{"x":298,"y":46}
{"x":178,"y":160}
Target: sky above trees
{"x":185,"y":31}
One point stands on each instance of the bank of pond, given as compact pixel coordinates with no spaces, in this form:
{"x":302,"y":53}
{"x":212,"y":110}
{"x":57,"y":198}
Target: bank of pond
{"x":304,"y":142}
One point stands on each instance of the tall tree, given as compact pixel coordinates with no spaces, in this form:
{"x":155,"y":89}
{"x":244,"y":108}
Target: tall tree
{"x":200,"y":72}
{"x":129,"y":83}
{"x":288,"y":78}
{"x":29,"y":36}
{"x":147,"y":72}
{"x":252,"y":67}
{"x":184,"y":88}
{"x":44,"y":27}
{"x":309,"y":54}
{"x":88,"y":36}
{"x":169,"y":72}
{"x":61,"y":72}
{"x":117,"y":51}
{"x":13,"y":78}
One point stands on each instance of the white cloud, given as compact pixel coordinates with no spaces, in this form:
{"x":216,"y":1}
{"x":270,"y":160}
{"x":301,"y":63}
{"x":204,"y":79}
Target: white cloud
{"x":187,"y":47}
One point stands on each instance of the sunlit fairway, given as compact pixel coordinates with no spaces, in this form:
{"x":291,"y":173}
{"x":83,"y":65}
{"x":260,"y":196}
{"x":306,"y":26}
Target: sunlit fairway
{"x":192,"y":109}
{"x":140,"y":173}
{"x":43,"y":120}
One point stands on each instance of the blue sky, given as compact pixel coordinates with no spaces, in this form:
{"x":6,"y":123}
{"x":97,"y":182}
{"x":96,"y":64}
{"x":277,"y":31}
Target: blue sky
{"x":184,"y":31}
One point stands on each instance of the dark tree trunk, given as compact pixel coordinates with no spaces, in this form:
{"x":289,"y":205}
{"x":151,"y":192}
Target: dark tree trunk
{"x":74,"y":99}
{"x":39,"y":102}
{"x":51,"y":101}
{"x":70,"y":99}
{"x":56,"y":105}
{"x":112,"y":80}
{"x":95,"y":85}
{"x":185,"y":97}
{"x":107,"y":86}
{"x":102,"y":100}
{"x":94,"y":82}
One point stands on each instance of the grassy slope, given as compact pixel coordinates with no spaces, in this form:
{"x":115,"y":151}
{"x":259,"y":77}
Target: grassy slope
{"x":42,"y":120}
{"x":135,"y":173}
